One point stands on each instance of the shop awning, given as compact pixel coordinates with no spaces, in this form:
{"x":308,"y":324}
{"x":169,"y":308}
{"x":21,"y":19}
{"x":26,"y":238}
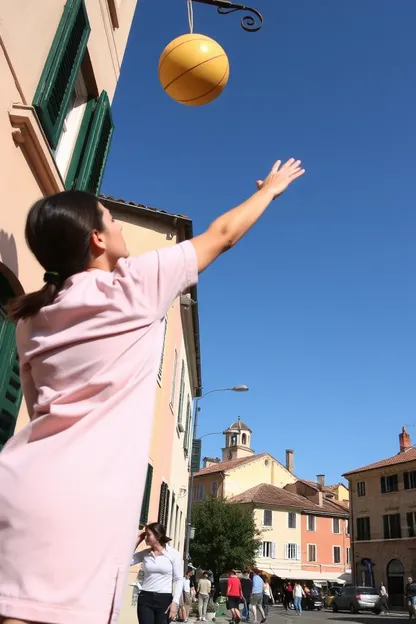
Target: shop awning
{"x":308,"y":575}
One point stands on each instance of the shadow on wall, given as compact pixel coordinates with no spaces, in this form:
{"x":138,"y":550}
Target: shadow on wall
{"x":8,"y":252}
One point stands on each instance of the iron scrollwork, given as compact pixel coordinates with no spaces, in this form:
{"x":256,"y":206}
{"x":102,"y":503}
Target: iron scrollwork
{"x":250,"y":23}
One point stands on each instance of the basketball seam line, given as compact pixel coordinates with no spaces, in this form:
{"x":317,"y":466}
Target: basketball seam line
{"x":192,"y":68}
{"x":178,"y":46}
{"x":205,"y":94}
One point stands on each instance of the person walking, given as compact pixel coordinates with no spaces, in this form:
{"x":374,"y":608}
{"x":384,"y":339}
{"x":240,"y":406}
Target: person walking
{"x":162,"y":576}
{"x":267,"y":596}
{"x":287,"y":595}
{"x":234,"y":596}
{"x":247,"y":587}
{"x":298,"y":594}
{"x":256,"y":600}
{"x":186,"y":601}
{"x":410,"y":593}
{"x":204,"y":590}
{"x":89,"y":344}
{"x":384,"y":598}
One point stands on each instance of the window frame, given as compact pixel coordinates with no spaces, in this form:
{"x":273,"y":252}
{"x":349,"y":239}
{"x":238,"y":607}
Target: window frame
{"x":336,"y":548}
{"x":361,"y":489}
{"x":292,"y":514}
{"x":308,"y":546}
{"x":308,"y":518}
{"x":385,"y":480}
{"x":270,"y":511}
{"x":338,"y":520}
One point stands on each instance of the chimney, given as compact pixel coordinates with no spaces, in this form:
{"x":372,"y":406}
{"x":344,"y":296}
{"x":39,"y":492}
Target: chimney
{"x":209,"y":461}
{"x":289,"y":460}
{"x":405,"y":441}
{"x":321,"y":480}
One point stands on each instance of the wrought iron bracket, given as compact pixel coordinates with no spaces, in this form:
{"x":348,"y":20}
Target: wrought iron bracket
{"x":252,"y":22}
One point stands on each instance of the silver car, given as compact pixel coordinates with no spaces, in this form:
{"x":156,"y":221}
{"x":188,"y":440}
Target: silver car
{"x":355,"y":599}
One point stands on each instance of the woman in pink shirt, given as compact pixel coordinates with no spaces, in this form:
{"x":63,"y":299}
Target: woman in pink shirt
{"x":89,"y":345}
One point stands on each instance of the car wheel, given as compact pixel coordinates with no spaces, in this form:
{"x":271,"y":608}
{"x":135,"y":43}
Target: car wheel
{"x":319,"y":608}
{"x":334,"y":608}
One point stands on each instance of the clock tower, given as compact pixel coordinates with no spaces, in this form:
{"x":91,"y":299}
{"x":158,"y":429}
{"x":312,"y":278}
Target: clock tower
{"x":237,"y":441}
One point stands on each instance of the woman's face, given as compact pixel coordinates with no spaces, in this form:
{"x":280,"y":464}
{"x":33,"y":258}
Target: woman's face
{"x":150,"y":538}
{"x":114,"y":245}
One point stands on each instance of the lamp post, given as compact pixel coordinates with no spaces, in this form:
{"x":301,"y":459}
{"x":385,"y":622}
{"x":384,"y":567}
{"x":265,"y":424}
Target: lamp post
{"x":239,"y":388}
{"x":250,"y":23}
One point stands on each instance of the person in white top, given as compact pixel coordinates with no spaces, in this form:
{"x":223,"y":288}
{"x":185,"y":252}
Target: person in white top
{"x":298,"y":594}
{"x":163,"y":577}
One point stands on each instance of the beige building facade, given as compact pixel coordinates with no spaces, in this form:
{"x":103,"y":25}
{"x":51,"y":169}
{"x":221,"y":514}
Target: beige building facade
{"x":383,"y":520}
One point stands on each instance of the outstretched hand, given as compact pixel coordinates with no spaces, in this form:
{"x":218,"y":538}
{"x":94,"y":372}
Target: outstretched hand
{"x":280,"y":177}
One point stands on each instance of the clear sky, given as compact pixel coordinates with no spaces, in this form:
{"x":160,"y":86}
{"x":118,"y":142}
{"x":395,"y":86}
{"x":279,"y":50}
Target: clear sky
{"x":315,"y":309}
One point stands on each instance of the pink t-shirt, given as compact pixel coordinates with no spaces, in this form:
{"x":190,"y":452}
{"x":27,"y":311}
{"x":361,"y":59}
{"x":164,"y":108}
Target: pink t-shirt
{"x":72,"y":480}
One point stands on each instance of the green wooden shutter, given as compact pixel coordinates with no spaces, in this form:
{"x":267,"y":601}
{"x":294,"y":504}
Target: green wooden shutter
{"x":97,"y":146}
{"x":162,"y":503}
{"x":196,"y":455}
{"x":58,"y":78}
{"x":79,"y":145}
{"x":181,"y":393}
{"x":144,"y":514}
{"x":188,"y":427}
{"x":10,"y":385}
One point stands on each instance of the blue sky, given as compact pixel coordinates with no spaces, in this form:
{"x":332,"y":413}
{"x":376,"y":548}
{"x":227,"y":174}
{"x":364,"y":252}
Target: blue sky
{"x":315,"y":309}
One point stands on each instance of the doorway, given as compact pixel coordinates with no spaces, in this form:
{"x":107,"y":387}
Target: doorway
{"x":395,"y":582}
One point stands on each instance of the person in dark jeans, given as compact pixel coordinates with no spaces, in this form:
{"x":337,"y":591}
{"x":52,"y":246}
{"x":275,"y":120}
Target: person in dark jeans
{"x":163,"y":577}
{"x":247,"y":587}
{"x":410,"y":592}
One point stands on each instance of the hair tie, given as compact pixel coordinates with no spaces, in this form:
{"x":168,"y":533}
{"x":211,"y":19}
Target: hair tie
{"x":51,"y":277}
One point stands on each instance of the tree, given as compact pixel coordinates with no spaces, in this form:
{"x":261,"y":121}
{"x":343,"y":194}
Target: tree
{"x":225,"y":536}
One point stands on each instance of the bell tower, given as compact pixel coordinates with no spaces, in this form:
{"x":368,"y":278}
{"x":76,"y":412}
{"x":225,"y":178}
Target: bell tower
{"x":237,"y":441}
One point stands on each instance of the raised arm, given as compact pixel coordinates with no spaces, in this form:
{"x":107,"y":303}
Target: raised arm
{"x":228,"y":229}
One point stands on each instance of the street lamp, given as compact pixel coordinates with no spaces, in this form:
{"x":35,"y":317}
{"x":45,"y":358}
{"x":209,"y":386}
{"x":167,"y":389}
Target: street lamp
{"x":238,"y":388}
{"x":250,"y":23}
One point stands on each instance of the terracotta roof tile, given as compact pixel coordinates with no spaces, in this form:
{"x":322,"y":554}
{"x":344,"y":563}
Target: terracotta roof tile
{"x":265,"y":494}
{"x":142,"y":206}
{"x":400,"y":458}
{"x":234,"y":463}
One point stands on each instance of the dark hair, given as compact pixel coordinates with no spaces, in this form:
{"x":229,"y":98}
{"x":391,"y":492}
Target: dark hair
{"x":58,"y":232}
{"x":159,"y":532}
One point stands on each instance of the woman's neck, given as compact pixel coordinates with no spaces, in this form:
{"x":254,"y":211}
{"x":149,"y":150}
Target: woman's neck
{"x":158,"y":548}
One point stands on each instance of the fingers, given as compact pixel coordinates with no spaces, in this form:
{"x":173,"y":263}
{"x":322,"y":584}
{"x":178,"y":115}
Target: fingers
{"x":259,"y":184}
{"x":297,"y":174}
{"x":276,"y":166}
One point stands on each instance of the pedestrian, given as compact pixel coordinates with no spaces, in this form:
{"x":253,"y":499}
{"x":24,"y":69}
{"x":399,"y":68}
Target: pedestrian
{"x":247,"y":587}
{"x":410,"y":593}
{"x":204,"y":590}
{"x":298,"y":594}
{"x":89,"y":345}
{"x":384,"y":598}
{"x":234,"y":596}
{"x":186,"y":601}
{"x":256,"y":600}
{"x":287,"y":595}
{"x":267,"y":596}
{"x":162,"y":576}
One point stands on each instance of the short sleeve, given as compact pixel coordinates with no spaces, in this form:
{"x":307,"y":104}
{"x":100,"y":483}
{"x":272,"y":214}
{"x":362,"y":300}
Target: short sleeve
{"x":161,"y":276}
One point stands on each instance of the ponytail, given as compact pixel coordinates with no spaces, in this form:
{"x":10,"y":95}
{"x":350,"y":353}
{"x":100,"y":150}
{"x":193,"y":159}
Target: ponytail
{"x":28,"y":305}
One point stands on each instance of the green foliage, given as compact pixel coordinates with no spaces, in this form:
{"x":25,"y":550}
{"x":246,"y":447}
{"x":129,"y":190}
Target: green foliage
{"x":225,"y":536}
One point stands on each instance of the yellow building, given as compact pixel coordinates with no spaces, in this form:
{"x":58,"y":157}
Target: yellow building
{"x":383,"y":520}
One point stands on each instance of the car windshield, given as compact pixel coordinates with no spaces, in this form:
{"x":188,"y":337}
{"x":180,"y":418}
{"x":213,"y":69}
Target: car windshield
{"x":366,"y":590}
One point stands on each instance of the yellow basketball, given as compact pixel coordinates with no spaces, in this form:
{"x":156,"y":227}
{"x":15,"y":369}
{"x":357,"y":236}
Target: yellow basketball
{"x":193,"y":69}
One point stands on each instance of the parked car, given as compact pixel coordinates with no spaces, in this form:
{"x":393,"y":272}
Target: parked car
{"x":312,"y":601}
{"x":332,"y":592}
{"x":355,"y":599}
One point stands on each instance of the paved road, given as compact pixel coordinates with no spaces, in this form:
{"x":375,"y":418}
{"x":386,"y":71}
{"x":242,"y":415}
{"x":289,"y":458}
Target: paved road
{"x":277,"y":615}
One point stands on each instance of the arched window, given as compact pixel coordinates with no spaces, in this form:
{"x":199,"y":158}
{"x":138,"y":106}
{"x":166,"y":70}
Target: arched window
{"x":395,"y":568}
{"x":244,"y":440}
{"x":10,"y":386}
{"x":234,"y":439}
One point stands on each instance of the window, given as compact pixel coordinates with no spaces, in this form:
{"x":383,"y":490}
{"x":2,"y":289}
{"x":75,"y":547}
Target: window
{"x":172,"y":514}
{"x":392,"y":526}
{"x":292,"y":551}
{"x":234,"y":439}
{"x":410,"y":480}
{"x":363,"y":529}
{"x":336,"y":554}
{"x":347,"y":527}
{"x":269,"y":550}
{"x":389,"y":484}
{"x":173,"y":388}
{"x":411,"y":523}
{"x":162,"y":357}
{"x":361,"y":488}
{"x":336,"y":525}
{"x":187,"y":436}
{"x":199,"y":492}
{"x":164,"y":504}
{"x":291,"y":520}
{"x":244,"y":439}
{"x":267,"y":517}
{"x":214,"y":488}
{"x":10,"y":385}
{"x":144,"y":513}
{"x":181,"y":393}
{"x":312,"y":552}
{"x":348,"y":555}
{"x":311,"y":523}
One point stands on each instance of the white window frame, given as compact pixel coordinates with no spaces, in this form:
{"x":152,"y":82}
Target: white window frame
{"x":264,"y":518}
{"x":173,"y":387}
{"x":339,"y":526}
{"x":333,"y":554}
{"x":71,"y":126}
{"x":292,"y":551}
{"x":289,"y":515}
{"x":316,"y":553}
{"x":311,"y":517}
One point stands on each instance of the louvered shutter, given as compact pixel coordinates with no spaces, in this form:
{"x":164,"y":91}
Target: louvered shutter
{"x":144,"y":514}
{"x":97,"y":146}
{"x":273,"y":550}
{"x":188,"y":426}
{"x":181,"y":393}
{"x":58,"y":78}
